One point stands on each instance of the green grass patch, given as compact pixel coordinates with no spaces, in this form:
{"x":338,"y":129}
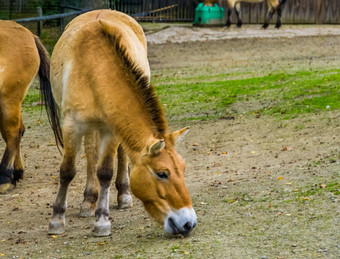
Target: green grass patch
{"x":306,"y":193}
{"x":203,"y":98}
{"x":276,"y":94}
{"x":316,"y":190}
{"x":32,"y":100}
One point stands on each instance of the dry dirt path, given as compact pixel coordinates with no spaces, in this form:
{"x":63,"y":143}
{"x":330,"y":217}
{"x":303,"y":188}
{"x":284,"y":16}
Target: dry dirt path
{"x":256,"y":183}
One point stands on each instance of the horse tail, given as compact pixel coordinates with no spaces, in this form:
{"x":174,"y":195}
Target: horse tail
{"x":52,"y":109}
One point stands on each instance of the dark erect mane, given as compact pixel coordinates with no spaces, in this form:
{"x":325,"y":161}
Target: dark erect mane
{"x":142,"y":87}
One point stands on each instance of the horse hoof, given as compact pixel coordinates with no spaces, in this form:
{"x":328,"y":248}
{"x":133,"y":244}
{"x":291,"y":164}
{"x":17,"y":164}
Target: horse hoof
{"x":6,"y":187}
{"x":85,"y":213}
{"x":17,"y":175}
{"x":102,"y":231}
{"x":56,"y":228}
{"x":86,"y":210}
{"x":124,"y":201}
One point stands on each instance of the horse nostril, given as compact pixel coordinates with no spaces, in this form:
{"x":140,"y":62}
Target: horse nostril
{"x":187,"y":226}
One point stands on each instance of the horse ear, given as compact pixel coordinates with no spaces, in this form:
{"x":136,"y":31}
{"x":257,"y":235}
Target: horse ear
{"x":156,"y":147}
{"x":178,"y":135}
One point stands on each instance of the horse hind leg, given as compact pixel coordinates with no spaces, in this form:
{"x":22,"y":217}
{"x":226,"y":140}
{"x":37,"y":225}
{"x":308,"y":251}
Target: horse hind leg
{"x":10,"y":115}
{"x":92,"y":185}
{"x":124,"y":197}
{"x":67,"y":172}
{"x":18,"y":172}
{"x":102,"y":225}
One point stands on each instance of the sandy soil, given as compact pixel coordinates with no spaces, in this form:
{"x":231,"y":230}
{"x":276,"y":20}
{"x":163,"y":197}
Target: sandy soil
{"x":182,"y":34}
{"x":248,"y":177}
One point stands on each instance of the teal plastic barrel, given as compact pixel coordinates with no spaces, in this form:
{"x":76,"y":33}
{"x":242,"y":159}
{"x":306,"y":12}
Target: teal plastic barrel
{"x":209,"y":15}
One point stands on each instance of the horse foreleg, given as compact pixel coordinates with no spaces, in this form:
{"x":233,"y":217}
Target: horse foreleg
{"x":279,"y":13}
{"x":228,"y":23}
{"x":12,"y":130}
{"x":67,"y":173}
{"x":278,"y":21}
{"x":238,"y":14}
{"x":92,"y":186}
{"x":102,"y":225}
{"x":124,"y":197}
{"x":268,"y":18}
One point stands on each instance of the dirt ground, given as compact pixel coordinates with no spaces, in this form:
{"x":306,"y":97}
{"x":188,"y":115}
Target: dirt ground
{"x":259,"y":185}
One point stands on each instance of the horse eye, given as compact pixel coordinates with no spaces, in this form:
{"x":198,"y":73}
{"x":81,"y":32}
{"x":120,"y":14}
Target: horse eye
{"x":162,"y":175}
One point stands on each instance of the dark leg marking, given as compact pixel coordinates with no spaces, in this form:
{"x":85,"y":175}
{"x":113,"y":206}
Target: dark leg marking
{"x":278,"y":22}
{"x":124,"y":197}
{"x":102,"y":225}
{"x":268,"y":19}
{"x":239,"y":19}
{"x":228,"y":23}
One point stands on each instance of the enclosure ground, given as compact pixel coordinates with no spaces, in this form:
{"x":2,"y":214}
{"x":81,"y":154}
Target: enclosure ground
{"x":261,"y":186}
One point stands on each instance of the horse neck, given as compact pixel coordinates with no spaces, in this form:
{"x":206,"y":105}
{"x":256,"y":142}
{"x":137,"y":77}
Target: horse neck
{"x":134,"y":134}
{"x":131,"y":122}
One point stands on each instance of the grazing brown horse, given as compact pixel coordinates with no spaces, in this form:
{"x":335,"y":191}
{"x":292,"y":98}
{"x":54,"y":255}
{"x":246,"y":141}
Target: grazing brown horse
{"x":100,"y":78}
{"x":273,"y":6}
{"x":22,"y":56}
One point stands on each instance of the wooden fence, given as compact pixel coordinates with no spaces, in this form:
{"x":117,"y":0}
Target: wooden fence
{"x":294,"y":11}
{"x":157,"y":10}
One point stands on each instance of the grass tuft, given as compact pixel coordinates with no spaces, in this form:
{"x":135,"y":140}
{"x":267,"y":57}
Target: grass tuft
{"x":209,"y":97}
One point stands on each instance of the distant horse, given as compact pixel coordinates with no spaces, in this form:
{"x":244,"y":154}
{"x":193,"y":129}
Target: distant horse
{"x":100,"y":78}
{"x":273,"y":6}
{"x":22,"y":56}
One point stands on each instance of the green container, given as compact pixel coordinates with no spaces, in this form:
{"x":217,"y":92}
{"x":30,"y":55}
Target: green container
{"x":209,"y":15}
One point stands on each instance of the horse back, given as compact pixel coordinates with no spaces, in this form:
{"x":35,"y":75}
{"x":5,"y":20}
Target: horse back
{"x":85,"y":67}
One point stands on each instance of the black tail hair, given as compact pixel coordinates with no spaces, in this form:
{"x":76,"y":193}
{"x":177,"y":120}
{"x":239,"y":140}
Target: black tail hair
{"x":52,"y":108}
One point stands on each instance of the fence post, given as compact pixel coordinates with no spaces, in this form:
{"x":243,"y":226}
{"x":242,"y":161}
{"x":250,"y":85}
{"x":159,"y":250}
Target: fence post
{"x":10,"y":9}
{"x":61,"y":28}
{"x":39,"y":10}
{"x":319,"y":13}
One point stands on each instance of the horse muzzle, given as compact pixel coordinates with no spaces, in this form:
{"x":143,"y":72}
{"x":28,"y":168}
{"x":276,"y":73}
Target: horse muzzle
{"x":181,"y":221}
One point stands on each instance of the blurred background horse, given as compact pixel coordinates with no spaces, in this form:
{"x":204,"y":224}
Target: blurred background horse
{"x":274,"y":6}
{"x":22,"y":56}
